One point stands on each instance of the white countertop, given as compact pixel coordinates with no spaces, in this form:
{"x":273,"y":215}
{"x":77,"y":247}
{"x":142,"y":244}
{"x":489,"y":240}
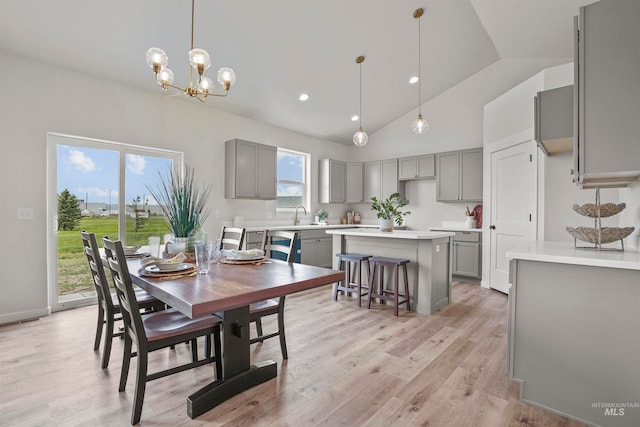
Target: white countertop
{"x":566,"y":253}
{"x":395,"y":234}
{"x":457,"y":228}
{"x":309,"y":227}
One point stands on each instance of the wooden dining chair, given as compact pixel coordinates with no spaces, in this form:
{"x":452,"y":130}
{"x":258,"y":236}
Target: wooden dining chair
{"x":156,"y":331}
{"x":283,"y":242}
{"x":108,"y":304}
{"x":231,"y":238}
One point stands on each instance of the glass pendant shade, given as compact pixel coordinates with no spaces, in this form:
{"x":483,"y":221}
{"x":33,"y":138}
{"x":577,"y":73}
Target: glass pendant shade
{"x":199,"y":59}
{"x":360,"y":138}
{"x":205,"y":85}
{"x":156,"y":57}
{"x":226,"y":74}
{"x":420,"y":125}
{"x":165,"y":77}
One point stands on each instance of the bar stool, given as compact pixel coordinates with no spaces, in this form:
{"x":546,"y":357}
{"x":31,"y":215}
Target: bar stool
{"x":389,"y":295}
{"x":349,"y":286}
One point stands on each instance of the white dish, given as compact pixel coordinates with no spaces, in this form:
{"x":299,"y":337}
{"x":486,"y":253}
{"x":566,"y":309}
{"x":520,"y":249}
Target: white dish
{"x":168,"y":268}
{"x":248,"y":255}
{"x":130,"y":250}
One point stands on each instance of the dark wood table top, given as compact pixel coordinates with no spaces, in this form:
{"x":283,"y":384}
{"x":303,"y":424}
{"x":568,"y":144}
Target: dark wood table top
{"x":229,"y":286}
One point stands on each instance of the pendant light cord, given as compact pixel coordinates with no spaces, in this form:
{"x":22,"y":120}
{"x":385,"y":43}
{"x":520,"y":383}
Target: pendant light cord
{"x":360,"y":95}
{"x":193,"y":14}
{"x":419,"y":71}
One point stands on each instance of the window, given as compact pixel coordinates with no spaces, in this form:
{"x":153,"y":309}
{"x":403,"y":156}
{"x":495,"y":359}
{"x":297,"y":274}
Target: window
{"x":293,"y":182}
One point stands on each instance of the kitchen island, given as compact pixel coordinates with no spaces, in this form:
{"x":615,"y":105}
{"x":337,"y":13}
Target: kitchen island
{"x":572,"y":339}
{"x":429,"y":252}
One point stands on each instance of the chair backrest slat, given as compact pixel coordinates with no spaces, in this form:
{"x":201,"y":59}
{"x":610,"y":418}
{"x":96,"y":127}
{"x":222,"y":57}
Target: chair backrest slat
{"x":231,"y":238}
{"x":98,"y":275}
{"x":279,"y":241}
{"x":124,"y":287}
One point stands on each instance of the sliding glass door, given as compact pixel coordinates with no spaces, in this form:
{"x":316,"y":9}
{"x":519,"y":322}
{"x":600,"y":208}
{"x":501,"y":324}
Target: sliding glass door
{"x":100,"y":187}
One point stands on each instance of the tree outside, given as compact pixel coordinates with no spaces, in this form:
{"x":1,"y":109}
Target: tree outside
{"x":68,"y":210}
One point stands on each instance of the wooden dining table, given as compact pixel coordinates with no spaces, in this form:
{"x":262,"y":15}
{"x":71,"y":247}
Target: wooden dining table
{"x":227,"y":291}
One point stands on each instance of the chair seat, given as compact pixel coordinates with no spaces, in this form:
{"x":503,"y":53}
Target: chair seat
{"x":142,"y":296}
{"x":170,"y":322}
{"x":263,"y":306}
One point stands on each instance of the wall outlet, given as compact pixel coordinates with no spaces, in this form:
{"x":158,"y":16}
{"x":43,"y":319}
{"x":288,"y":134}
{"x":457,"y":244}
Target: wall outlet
{"x":437,"y":248}
{"x":217,"y":214}
{"x":25,"y":213}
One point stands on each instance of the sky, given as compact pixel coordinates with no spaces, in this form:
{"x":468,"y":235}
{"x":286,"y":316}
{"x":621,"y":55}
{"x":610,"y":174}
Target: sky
{"x":93,"y":174}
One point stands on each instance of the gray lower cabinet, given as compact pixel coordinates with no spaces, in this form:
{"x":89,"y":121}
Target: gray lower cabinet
{"x":459,"y":176}
{"x":253,"y":239}
{"x":573,"y":342}
{"x":315,"y":248}
{"x":250,"y":170}
{"x":467,"y":254}
{"x":607,"y":59}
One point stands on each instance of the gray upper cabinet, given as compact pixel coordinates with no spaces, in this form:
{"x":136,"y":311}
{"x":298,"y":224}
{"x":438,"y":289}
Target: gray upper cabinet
{"x":381,"y":179}
{"x":459,"y":176}
{"x":332,"y":175}
{"x":417,"y":167}
{"x":250,"y":170}
{"x":354,"y":182}
{"x":607,"y":59}
{"x":553,"y":118}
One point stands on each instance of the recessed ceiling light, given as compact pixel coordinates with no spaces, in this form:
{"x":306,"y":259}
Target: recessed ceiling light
{"x":355,"y":118}
{"x":303,"y":97}
{"x":413,"y":80}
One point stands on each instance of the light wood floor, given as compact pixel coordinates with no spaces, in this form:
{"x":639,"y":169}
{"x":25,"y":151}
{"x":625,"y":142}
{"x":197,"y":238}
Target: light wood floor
{"x":346,"y":367}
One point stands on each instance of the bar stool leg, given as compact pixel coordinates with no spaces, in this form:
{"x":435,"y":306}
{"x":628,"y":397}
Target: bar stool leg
{"x":395,"y":289}
{"x":406,"y":286}
{"x":335,"y":289}
{"x":371,"y":283}
{"x":359,"y":284}
{"x":348,"y":276}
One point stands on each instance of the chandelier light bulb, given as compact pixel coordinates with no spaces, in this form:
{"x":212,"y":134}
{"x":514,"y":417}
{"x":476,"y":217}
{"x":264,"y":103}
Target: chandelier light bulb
{"x":360,"y":138}
{"x":165,"y":77}
{"x":199,"y":59}
{"x":205,"y":84}
{"x":226,"y":76}
{"x":420,"y":125}
{"x":156,"y":58}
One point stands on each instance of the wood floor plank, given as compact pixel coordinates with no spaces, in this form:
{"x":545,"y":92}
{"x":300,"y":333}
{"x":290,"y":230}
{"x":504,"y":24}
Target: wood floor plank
{"x":347,"y":366}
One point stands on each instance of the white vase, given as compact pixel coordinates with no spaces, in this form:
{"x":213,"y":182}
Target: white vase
{"x":386,"y":225}
{"x":470,"y":222}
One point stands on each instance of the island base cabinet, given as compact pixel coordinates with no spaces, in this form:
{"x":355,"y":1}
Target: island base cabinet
{"x":428,"y":271}
{"x":573,"y":342}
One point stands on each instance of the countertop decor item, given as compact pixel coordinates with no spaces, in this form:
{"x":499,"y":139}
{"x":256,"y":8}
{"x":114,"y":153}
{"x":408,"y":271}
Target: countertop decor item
{"x":182,"y":201}
{"x":390,"y":210}
{"x":599,"y":235}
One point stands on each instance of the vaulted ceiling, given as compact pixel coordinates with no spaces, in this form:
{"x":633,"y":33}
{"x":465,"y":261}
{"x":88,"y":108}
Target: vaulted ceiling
{"x":282,"y":48}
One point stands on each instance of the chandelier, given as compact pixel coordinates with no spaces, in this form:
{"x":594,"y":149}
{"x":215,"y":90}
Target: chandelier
{"x":420,"y":125}
{"x":360,"y":138}
{"x":200,"y":61}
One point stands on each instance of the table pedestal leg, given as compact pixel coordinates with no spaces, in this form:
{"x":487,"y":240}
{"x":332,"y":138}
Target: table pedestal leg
{"x":238,"y":375}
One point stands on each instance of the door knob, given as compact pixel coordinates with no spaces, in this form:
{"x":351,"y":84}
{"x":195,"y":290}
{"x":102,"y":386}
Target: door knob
{"x":493,"y":227}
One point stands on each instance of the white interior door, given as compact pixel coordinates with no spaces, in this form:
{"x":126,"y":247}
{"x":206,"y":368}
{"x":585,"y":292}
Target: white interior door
{"x":513,"y":206}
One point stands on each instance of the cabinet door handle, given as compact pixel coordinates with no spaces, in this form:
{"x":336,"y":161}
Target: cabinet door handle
{"x":492,"y":227}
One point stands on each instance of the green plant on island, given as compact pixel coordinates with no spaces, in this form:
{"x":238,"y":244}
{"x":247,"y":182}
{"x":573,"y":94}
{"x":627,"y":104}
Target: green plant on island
{"x":182,"y":200}
{"x":390,"y":208}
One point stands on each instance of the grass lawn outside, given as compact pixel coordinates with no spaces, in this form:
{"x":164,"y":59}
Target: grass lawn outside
{"x":73,"y":270}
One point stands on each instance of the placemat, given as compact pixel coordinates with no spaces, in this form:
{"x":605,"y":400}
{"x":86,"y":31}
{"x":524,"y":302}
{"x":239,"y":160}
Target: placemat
{"x":257,"y":261}
{"x":165,"y":274}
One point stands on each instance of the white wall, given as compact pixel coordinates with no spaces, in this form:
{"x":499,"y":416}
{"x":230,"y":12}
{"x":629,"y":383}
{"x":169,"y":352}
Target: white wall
{"x":37,"y":98}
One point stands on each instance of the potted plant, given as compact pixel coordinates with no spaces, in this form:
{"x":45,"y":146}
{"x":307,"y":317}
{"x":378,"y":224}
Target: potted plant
{"x":182,"y":201}
{"x":322,"y":216}
{"x":389,"y":210}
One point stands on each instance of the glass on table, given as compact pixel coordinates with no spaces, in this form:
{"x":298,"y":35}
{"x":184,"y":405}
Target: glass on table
{"x":154,"y":246}
{"x":204,"y":254}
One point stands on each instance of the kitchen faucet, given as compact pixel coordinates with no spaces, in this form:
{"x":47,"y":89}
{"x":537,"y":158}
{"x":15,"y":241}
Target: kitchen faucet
{"x":297,"y":221}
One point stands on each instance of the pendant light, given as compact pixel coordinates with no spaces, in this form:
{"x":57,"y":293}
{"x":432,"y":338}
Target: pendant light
{"x":420,"y":125}
{"x":360,"y":138}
